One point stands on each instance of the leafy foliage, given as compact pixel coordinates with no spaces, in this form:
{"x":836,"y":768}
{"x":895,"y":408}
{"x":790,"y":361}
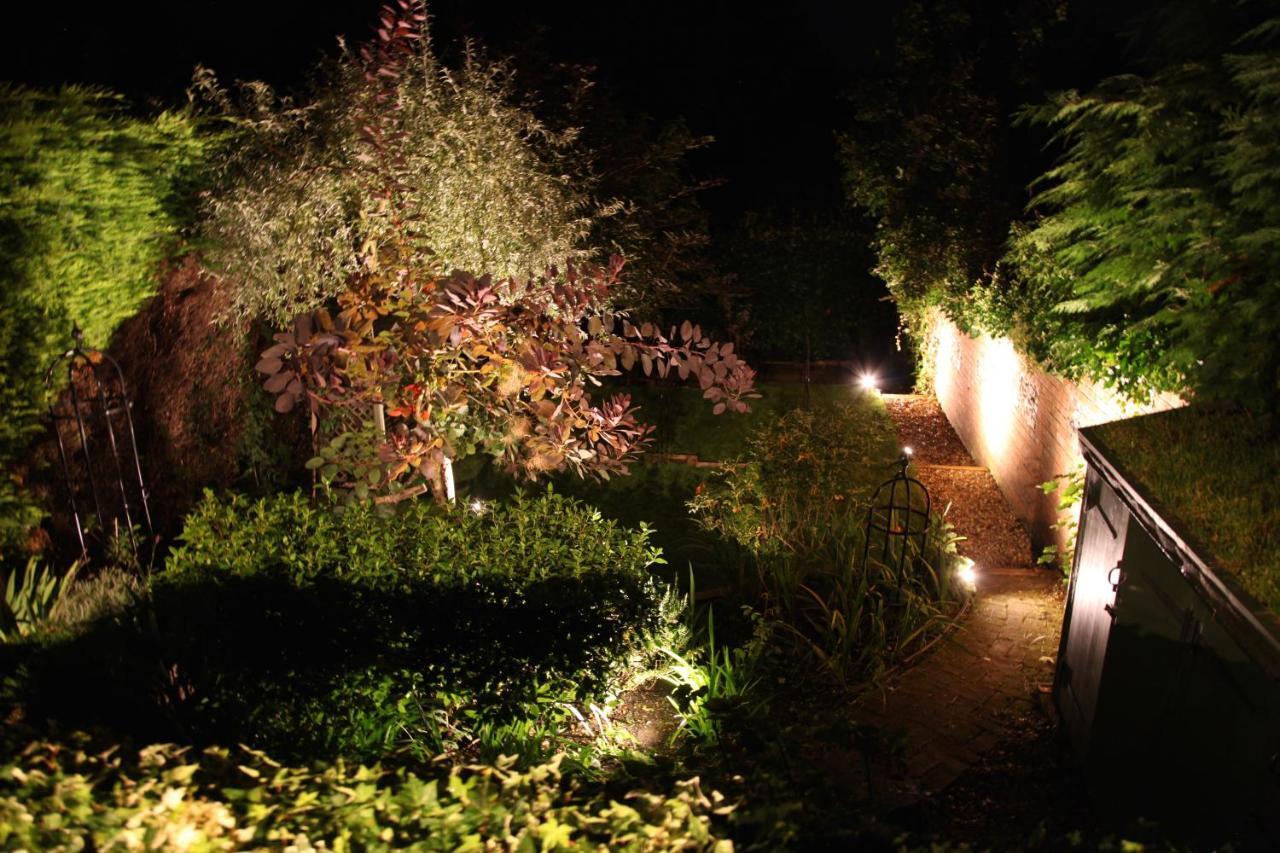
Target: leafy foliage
{"x":804,"y":286}
{"x":798,"y":505}
{"x":926,"y":154}
{"x":1070,"y":490}
{"x":797,"y":463}
{"x":110,"y":592}
{"x":91,"y":201}
{"x":465,"y":365}
{"x":1157,"y":245}
{"x":94,"y":199}
{"x":648,"y":210}
{"x":55,"y":795}
{"x":435,"y":630}
{"x":30,"y":598}
{"x":396,"y":154}
{"x":457,"y":364}
{"x":708,"y":682}
{"x":526,"y":539}
{"x":645,"y":193}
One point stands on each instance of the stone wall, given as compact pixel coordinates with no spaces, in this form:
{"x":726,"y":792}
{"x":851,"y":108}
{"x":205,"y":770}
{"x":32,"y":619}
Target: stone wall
{"x":1017,"y":420}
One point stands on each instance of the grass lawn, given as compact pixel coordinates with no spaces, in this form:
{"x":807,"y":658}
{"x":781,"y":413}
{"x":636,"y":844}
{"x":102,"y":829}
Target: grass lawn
{"x":1214,"y":474}
{"x":684,"y":423}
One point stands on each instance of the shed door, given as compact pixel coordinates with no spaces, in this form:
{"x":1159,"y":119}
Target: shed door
{"x":1100,"y":544}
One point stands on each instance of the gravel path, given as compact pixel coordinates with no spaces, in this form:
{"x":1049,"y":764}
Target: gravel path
{"x":994,"y":536}
{"x":925,"y":429}
{"x":967,"y":695}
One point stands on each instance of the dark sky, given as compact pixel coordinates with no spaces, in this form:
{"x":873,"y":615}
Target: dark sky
{"x":761,"y":81}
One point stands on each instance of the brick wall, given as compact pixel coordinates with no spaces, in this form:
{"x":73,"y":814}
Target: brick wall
{"x":1017,"y":420}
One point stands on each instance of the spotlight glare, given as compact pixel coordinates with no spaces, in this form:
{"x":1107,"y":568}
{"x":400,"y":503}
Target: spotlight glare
{"x":967,"y":573}
{"x":869,"y":382}
{"x":907,"y":451}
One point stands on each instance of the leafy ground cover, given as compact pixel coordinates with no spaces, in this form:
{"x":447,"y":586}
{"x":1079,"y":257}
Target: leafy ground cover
{"x":74,"y":794}
{"x":1214,"y":471}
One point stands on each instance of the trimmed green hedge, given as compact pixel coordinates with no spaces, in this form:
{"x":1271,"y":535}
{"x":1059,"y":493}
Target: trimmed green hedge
{"x":522,"y":540}
{"x":288,"y":626}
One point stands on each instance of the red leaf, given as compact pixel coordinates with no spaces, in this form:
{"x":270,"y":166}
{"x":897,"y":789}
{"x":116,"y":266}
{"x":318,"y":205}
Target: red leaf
{"x":278,"y":383}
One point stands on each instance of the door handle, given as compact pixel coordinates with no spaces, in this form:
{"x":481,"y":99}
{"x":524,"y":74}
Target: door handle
{"x":1115,"y":577}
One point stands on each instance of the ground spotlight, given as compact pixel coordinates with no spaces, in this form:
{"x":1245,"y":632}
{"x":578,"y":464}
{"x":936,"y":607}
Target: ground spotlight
{"x":869,"y":382}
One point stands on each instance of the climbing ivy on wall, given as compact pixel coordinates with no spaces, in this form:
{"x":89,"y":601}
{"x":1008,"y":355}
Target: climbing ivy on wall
{"x":1147,"y":258}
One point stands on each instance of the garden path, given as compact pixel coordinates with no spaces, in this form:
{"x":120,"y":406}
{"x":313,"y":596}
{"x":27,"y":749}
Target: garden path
{"x":976,"y":687}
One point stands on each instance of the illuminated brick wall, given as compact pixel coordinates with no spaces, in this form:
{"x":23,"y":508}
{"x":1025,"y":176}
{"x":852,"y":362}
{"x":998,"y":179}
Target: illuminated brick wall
{"x":1017,"y":420}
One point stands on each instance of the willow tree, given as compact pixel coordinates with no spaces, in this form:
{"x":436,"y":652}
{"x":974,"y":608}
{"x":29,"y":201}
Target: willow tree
{"x":447,"y":161}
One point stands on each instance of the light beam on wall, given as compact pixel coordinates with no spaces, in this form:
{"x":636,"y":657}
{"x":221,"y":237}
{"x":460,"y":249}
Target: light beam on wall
{"x":999,"y":369}
{"x":944,"y":357}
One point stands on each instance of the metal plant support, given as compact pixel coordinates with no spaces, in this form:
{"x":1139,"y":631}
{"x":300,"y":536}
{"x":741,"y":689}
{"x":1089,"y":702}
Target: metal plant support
{"x":895,"y":517}
{"x":96,"y":398}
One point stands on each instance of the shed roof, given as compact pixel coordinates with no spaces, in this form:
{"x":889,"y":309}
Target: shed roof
{"x":1205,"y":480}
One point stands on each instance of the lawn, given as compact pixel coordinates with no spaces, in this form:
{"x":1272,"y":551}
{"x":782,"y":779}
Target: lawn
{"x":683,"y":421}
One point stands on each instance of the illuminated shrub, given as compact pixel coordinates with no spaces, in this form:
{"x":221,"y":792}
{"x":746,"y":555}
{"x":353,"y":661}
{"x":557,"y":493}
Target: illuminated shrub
{"x":285,"y":625}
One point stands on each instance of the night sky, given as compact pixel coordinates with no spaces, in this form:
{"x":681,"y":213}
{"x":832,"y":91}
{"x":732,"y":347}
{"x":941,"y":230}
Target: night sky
{"x":764,"y":81}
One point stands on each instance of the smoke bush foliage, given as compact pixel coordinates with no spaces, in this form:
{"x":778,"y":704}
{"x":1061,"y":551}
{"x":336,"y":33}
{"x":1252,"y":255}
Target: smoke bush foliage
{"x":480,"y":182}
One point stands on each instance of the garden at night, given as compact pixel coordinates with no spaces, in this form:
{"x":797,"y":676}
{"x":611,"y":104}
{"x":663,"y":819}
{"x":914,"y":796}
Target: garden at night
{"x":673,"y":426}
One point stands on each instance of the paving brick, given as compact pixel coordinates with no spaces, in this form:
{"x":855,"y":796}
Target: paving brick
{"x":956,"y":703}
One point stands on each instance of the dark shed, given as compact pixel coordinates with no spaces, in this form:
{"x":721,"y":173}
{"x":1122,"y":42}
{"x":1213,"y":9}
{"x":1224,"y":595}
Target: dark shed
{"x":1168,"y":679}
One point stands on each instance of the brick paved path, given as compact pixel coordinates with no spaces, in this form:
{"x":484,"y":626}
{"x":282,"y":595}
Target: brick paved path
{"x":964,"y":696}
